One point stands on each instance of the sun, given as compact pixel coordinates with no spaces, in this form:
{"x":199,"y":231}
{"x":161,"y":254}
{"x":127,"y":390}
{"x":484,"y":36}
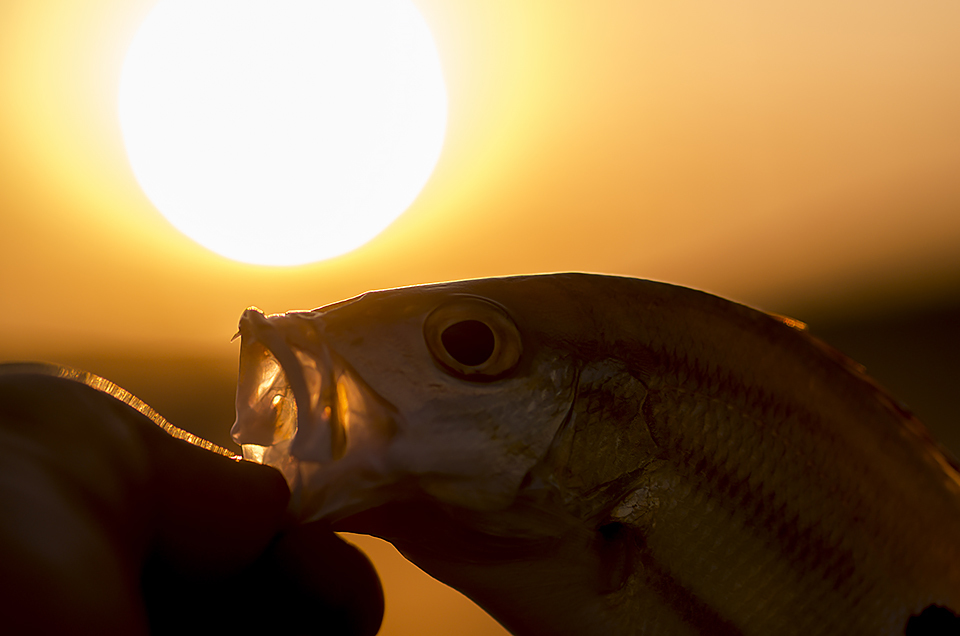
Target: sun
{"x":282,"y":132}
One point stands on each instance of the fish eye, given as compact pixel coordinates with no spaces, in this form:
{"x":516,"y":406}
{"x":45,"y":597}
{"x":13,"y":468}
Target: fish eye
{"x":469,"y":342}
{"x":473,"y":338}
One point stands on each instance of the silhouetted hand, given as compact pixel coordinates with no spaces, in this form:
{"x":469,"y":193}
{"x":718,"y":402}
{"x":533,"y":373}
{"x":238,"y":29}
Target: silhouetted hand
{"x":110,"y":526}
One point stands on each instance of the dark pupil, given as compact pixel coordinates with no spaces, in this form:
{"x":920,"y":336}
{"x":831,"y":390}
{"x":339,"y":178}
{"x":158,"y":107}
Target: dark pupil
{"x":469,"y":342}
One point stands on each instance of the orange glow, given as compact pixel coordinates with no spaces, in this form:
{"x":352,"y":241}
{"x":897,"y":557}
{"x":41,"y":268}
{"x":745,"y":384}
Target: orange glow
{"x":783,"y":157}
{"x":803,"y":158}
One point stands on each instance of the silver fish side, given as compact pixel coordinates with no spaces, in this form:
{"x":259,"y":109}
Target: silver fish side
{"x":586,"y":454}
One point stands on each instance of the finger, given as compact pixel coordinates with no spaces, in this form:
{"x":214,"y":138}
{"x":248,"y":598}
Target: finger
{"x":212,"y":514}
{"x":92,"y":488}
{"x":319,"y":574}
{"x":68,"y":465}
{"x":309,"y":581}
{"x":200,"y":510}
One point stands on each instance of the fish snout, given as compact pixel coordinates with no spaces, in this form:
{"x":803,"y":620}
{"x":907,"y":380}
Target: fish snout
{"x":302,"y":410}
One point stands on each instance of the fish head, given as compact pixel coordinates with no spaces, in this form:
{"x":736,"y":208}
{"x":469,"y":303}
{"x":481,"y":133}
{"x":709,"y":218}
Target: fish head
{"x":445,"y":393}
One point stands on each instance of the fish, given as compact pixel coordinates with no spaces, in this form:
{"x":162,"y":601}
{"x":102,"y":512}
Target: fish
{"x":583,"y":454}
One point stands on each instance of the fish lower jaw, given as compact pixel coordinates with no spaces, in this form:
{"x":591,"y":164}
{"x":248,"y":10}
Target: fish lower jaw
{"x":328,"y":490}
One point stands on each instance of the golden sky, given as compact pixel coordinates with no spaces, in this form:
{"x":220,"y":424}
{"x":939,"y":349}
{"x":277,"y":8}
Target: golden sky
{"x":792,"y":157}
{"x":801,"y":157}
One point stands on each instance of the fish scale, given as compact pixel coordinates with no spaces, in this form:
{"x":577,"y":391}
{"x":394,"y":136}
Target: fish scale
{"x":799,"y":526}
{"x":630,"y":458}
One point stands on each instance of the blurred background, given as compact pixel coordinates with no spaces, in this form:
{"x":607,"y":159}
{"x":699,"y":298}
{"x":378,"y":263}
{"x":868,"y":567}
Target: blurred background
{"x":799,"y":158}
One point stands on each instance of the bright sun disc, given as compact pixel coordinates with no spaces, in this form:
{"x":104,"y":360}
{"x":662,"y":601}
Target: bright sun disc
{"x":281,"y":132}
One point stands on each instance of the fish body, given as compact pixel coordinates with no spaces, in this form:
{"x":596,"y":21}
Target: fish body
{"x":585,"y":454}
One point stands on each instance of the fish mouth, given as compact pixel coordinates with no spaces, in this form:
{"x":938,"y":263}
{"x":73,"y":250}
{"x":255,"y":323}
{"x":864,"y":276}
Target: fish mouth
{"x":304,"y":411}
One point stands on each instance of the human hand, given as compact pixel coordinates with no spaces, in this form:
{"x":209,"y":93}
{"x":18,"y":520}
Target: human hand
{"x":111,"y":526}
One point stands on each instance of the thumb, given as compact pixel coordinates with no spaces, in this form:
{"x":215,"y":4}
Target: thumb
{"x":212,"y":514}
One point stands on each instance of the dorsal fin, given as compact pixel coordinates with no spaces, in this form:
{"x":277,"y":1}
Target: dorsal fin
{"x":793,"y":323}
{"x":906,"y":416}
